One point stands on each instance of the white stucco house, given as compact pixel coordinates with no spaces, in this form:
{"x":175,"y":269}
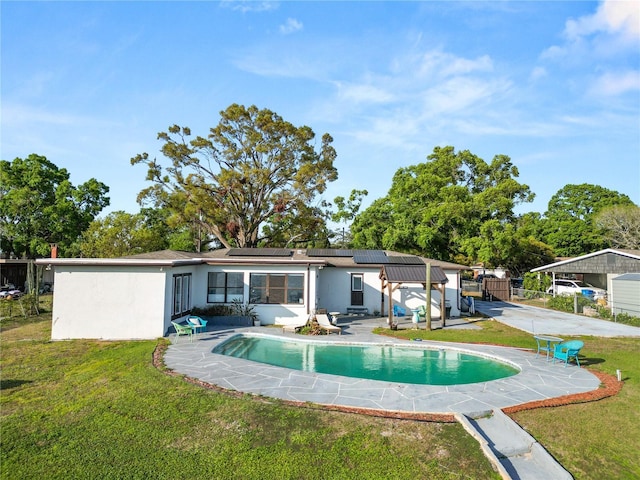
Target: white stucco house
{"x":137,"y":297}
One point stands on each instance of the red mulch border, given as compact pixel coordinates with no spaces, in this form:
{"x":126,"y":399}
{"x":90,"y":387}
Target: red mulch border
{"x":610,"y":387}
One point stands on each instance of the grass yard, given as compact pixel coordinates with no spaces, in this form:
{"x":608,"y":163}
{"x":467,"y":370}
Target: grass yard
{"x":91,"y":409}
{"x":598,"y":440}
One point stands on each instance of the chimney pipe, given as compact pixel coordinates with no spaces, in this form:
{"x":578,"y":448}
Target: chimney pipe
{"x":54,"y":250}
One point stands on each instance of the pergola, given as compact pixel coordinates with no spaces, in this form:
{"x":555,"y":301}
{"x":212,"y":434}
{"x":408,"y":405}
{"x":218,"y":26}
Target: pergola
{"x":393,"y":276}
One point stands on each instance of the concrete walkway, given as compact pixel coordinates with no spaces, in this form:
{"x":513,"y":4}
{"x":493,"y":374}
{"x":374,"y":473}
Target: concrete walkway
{"x":537,"y":320}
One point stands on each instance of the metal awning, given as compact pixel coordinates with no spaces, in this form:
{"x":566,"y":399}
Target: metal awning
{"x":412,"y":274}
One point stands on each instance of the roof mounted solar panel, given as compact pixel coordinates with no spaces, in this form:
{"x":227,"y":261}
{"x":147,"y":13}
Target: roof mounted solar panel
{"x":370,"y":257}
{"x":329,"y":252}
{"x":260,"y":252}
{"x":405,"y":260}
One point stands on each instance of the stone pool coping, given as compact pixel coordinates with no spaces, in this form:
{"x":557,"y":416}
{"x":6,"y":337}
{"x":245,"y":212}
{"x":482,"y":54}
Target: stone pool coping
{"x":539,"y":384}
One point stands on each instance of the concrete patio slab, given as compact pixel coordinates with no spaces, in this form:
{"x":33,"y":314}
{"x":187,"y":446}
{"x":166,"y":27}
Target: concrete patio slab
{"x":538,"y":379}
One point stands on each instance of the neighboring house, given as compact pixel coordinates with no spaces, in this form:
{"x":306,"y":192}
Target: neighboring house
{"x":137,"y":297}
{"x":598,"y":268}
{"x":480,"y":269}
{"x":13,"y":271}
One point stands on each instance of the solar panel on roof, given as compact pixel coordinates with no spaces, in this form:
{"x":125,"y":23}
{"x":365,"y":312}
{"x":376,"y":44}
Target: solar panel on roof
{"x":259,"y":252}
{"x":329,"y":252}
{"x":370,"y":256}
{"x":405,"y":260}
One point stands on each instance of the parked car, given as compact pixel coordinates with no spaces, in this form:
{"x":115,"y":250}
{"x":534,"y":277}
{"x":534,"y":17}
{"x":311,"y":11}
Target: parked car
{"x":571,"y":287}
{"x":482,"y":276}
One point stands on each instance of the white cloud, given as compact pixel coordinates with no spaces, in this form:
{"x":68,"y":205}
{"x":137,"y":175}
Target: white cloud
{"x":611,"y":84}
{"x":612,"y":16}
{"x":292,"y":25}
{"x":24,"y":115}
{"x":537,"y":73}
{"x":364,"y":93}
{"x":245,"y":6}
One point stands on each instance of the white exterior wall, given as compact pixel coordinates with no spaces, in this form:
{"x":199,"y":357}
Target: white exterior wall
{"x":334,"y":292}
{"x":268,"y":314}
{"x":412,"y":295}
{"x":334,"y":288}
{"x":111,"y":303}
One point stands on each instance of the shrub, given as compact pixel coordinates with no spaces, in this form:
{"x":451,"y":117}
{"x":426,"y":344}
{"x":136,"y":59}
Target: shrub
{"x":533,"y":281}
{"x":564,"y":303}
{"x":244,"y":310}
{"x":213,"y":311}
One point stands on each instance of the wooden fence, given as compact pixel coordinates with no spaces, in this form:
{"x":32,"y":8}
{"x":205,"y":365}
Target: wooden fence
{"x":496,"y":289}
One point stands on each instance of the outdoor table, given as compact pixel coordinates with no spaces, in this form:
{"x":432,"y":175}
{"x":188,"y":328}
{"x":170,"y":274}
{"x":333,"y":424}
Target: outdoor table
{"x":544,"y":343}
{"x":416,"y":315}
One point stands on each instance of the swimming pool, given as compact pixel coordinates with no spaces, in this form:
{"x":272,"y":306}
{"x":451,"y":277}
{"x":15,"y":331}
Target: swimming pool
{"x":404,"y":364}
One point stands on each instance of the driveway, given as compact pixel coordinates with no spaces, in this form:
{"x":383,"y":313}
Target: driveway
{"x":537,"y":320}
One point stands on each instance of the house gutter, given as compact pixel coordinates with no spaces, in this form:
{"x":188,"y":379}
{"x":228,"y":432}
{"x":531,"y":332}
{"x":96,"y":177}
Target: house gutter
{"x":115,"y":262}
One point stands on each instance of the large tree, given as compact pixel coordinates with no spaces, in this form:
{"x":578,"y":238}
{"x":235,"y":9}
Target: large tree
{"x":40,"y":206}
{"x":569,"y":220}
{"x":438,"y":208}
{"x":620,"y":225}
{"x":253,"y":170}
{"x":121,"y":233}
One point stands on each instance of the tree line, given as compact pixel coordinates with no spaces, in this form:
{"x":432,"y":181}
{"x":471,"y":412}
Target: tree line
{"x":256,"y":180}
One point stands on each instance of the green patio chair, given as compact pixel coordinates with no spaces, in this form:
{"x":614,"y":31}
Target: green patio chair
{"x":182,"y":329}
{"x":197,"y":323}
{"x":566,"y":350}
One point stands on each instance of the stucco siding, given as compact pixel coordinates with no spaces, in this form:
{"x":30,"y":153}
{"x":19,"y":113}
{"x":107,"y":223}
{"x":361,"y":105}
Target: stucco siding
{"x":108,"y":303}
{"x":412,"y":296}
{"x":334,"y":292}
{"x":334,"y":289}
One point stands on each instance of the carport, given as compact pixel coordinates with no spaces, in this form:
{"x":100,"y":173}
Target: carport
{"x":393,"y":276}
{"x":598,"y":268}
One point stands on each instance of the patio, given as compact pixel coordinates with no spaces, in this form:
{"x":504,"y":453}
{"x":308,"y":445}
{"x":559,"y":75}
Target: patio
{"x":539,"y":380}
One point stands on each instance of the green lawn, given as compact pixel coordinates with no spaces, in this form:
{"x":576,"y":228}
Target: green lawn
{"x":90,"y":409}
{"x":598,"y":440}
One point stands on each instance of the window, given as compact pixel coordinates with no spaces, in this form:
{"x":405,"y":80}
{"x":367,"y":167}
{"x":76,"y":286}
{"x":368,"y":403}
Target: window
{"x":278,"y":288}
{"x":223,"y":287}
{"x":357,"y":289}
{"x":181,"y":294}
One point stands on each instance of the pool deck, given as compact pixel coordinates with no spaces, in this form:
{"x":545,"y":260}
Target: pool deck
{"x":538,"y":380}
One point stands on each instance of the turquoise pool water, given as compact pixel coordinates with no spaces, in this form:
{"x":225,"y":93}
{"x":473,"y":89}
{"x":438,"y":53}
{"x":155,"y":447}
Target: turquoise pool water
{"x":403,"y":364}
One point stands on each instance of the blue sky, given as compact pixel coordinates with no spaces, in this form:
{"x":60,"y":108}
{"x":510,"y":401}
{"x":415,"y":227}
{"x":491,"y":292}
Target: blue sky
{"x":553,"y":85}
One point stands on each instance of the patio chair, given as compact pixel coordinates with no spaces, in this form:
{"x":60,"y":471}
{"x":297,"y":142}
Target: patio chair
{"x":182,"y":329}
{"x":325,"y":324}
{"x":197,"y":323}
{"x":295,"y":327}
{"x":566,"y":350}
{"x":399,"y":311}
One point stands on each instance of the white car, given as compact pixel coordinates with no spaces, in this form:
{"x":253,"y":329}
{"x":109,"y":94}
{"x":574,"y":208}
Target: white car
{"x":571,"y":287}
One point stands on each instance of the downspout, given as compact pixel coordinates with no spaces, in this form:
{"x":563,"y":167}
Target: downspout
{"x":307,"y":300}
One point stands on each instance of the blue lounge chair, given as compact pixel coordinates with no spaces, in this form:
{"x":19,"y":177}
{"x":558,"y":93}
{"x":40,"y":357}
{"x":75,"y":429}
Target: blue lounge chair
{"x":182,"y":329}
{"x":197,"y":323}
{"x":399,"y":311}
{"x":566,"y":350}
